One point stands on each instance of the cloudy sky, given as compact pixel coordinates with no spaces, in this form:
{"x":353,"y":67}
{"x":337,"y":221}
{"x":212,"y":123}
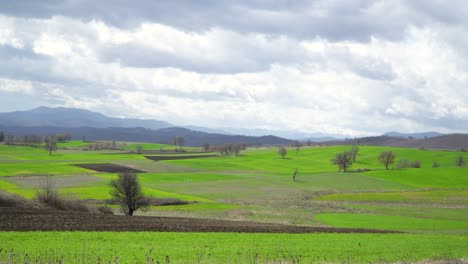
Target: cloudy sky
{"x":347,"y":67}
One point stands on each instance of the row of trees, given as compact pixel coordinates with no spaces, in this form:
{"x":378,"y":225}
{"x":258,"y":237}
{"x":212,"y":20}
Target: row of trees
{"x":225,"y":149}
{"x":32,"y":140}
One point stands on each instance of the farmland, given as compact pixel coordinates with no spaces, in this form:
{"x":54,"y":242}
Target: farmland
{"x":429,"y":204}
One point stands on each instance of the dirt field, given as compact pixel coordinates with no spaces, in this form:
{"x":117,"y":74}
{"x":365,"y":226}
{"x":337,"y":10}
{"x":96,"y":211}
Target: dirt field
{"x":178,"y":157}
{"x":12,"y":219}
{"x":108,"y":167}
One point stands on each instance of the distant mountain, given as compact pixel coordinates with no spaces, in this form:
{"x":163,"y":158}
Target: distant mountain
{"x":444,"y":142}
{"x":72,"y":117}
{"x":256,"y":132}
{"x":413,"y":135}
{"x":139,"y":134}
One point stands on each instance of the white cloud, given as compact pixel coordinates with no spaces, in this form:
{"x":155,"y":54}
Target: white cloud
{"x":221,"y":77}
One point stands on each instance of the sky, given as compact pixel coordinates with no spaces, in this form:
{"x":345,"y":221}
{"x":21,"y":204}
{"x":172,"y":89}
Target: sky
{"x":346,"y":67}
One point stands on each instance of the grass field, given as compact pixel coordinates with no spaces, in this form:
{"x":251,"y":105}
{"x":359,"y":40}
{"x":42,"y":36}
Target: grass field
{"x":258,"y":186}
{"x":144,"y":247}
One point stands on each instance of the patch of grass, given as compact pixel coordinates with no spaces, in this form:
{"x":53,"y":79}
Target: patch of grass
{"x":390,"y":222}
{"x":433,"y":196}
{"x":138,"y":247}
{"x":460,"y":214}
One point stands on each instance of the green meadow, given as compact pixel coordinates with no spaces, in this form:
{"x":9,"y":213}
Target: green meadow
{"x":429,"y":204}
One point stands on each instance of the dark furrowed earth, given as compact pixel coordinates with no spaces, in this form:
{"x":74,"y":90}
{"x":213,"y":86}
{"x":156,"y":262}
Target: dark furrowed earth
{"x":108,"y":167}
{"x":13,"y":219}
{"x":179,"y":157}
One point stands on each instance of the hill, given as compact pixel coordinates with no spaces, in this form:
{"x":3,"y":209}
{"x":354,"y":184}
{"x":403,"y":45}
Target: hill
{"x":140,"y":134}
{"x":413,"y":135}
{"x":72,"y":117}
{"x":447,"y":142}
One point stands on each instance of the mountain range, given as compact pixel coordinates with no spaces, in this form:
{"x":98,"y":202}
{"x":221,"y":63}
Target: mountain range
{"x":96,"y":126}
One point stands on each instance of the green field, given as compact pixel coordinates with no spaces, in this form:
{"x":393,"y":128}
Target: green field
{"x":142,"y":247}
{"x":431,"y":203}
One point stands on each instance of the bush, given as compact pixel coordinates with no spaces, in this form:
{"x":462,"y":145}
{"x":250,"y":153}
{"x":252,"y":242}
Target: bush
{"x":460,"y":161}
{"x":416,"y":164}
{"x":105,"y":209}
{"x":403,"y":164}
{"x":14,"y":200}
{"x":435,"y":164}
{"x":49,"y":196}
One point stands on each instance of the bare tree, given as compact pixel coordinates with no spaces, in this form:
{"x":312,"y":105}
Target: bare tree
{"x":297,"y":144}
{"x":343,"y":160}
{"x":178,"y":141}
{"x":354,"y":152}
{"x":386,"y":158}
{"x":2,"y":136}
{"x":460,"y":161}
{"x":206,"y":147}
{"x":309,"y":143}
{"x":51,"y":144}
{"x":126,"y":191}
{"x":282,"y":151}
{"x":139,"y":149}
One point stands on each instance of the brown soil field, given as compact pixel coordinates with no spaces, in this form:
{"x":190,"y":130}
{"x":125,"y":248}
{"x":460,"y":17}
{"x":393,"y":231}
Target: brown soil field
{"x":14,"y":219}
{"x":108,"y":167}
{"x":178,"y":157}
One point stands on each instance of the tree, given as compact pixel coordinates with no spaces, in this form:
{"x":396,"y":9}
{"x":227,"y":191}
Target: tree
{"x":295,"y":173}
{"x":206,"y":147}
{"x":354,"y":152}
{"x":460,"y":161}
{"x":343,"y":161}
{"x":178,"y":141}
{"x":282,"y":151}
{"x":139,"y":149}
{"x":2,"y":136}
{"x":126,"y":191}
{"x":386,"y":158}
{"x":297,"y":144}
{"x":51,"y":144}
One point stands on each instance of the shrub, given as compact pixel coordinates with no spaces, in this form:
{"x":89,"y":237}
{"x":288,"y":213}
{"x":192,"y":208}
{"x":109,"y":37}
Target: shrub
{"x":416,"y":164}
{"x":105,"y":209}
{"x":435,"y":164}
{"x":403,"y":164}
{"x":460,"y":161}
{"x":49,"y":196}
{"x":14,"y":200}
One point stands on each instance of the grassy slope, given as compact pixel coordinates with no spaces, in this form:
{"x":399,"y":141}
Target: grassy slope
{"x":130,"y":247}
{"x":258,"y":186}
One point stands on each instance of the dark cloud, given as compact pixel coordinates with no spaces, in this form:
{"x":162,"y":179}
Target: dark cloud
{"x":334,"y":20}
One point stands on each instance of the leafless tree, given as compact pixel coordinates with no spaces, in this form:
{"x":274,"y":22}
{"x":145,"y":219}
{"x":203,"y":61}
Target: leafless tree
{"x":139,"y":149}
{"x":282,"y":151}
{"x":343,"y":161}
{"x":178,"y":141}
{"x":386,"y":158}
{"x":354,"y":152}
{"x":206,"y":147}
{"x":2,"y":136}
{"x":126,"y":191}
{"x":297,"y":144}
{"x":51,"y":144}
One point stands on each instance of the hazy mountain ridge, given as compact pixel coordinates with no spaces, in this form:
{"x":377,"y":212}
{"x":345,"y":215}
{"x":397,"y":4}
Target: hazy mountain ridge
{"x":73,"y":117}
{"x":139,"y":134}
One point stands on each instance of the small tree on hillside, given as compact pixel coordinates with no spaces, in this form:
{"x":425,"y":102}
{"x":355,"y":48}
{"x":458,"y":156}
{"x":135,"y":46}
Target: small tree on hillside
{"x":354,"y":152}
{"x":51,"y":144}
{"x":282,"y":151}
{"x":387,"y":158}
{"x":343,"y":161}
{"x":2,"y":136}
{"x":139,"y":149}
{"x":460,"y":161}
{"x":126,"y":191}
{"x":206,"y":147}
